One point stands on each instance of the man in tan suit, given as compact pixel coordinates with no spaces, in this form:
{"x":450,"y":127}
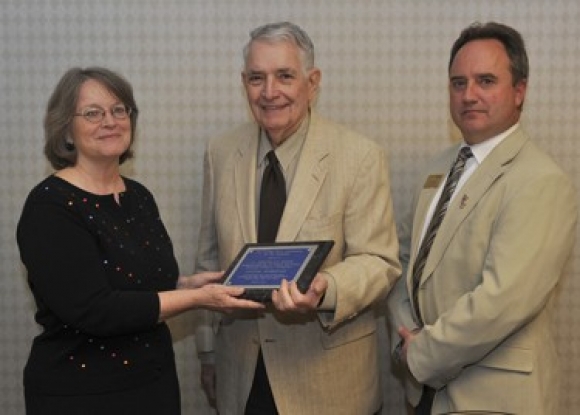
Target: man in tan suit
{"x":475,"y":333}
{"x":312,"y":353}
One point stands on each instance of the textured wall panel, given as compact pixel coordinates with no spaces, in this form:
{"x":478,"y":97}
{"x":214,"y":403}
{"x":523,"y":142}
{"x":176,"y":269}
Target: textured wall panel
{"x":384,"y":69}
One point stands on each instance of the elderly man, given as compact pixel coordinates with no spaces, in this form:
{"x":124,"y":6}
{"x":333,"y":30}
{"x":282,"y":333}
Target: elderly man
{"x":313,"y":352}
{"x":484,"y":249}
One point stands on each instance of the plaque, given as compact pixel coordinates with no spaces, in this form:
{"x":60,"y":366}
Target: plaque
{"x":260,"y":268}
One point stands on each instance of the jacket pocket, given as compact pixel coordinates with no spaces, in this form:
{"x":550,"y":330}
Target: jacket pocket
{"x":362,"y":326}
{"x":510,"y":358}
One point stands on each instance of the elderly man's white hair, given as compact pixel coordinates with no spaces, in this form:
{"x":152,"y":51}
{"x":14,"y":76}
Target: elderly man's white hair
{"x":284,"y":32}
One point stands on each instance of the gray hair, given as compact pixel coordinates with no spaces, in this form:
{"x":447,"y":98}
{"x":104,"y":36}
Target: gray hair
{"x":284,"y":32}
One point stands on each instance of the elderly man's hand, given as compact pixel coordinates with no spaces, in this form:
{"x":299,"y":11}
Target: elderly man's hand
{"x":288,"y":297}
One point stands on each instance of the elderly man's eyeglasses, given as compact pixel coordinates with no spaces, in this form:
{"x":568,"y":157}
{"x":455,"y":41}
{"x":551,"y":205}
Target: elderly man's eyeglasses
{"x":96,"y":115}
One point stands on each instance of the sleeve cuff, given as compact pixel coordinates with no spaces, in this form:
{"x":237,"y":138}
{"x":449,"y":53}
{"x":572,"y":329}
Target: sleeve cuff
{"x":328,"y":301}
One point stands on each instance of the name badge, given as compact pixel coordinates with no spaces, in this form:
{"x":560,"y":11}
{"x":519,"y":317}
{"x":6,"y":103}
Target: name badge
{"x":433,"y":181}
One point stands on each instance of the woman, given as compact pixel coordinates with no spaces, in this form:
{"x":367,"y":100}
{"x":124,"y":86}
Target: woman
{"x":101,"y":265}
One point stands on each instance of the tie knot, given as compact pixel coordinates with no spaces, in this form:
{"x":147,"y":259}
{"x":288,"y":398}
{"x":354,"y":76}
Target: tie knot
{"x":272,"y":159}
{"x":465,"y":153}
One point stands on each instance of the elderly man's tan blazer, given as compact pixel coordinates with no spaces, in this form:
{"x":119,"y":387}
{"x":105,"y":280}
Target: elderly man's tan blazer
{"x":487,"y":286}
{"x":318,"y":363}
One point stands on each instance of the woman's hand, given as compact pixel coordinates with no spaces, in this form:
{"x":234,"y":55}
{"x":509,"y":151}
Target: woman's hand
{"x":203,"y":290}
{"x":224,"y":298}
{"x":199,"y":280}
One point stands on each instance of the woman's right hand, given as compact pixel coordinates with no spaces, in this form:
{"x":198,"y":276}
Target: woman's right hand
{"x":224,"y":298}
{"x":203,"y":290}
{"x":199,"y":280}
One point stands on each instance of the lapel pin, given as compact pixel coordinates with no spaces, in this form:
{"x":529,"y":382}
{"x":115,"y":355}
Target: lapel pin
{"x":463,"y":203}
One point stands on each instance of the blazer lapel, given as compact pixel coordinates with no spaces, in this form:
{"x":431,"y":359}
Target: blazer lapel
{"x":428,"y":192}
{"x":310,"y":174}
{"x":245,"y":183}
{"x":426,"y":196}
{"x":492,"y":168}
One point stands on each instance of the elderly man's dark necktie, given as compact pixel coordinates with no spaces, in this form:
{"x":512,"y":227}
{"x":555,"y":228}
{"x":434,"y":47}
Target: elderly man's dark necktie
{"x":440,"y":210}
{"x":272,"y":202}
{"x":272,"y":199}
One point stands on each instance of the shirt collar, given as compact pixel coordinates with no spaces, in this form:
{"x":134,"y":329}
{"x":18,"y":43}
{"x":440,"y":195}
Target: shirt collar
{"x":289,"y":149}
{"x":482,"y":150}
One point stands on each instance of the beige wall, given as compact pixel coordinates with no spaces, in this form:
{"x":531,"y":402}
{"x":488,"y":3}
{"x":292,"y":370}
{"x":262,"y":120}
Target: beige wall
{"x":384,"y":73}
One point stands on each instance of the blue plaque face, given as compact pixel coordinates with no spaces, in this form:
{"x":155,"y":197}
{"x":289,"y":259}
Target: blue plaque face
{"x":260,"y":268}
{"x":268,"y":266}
